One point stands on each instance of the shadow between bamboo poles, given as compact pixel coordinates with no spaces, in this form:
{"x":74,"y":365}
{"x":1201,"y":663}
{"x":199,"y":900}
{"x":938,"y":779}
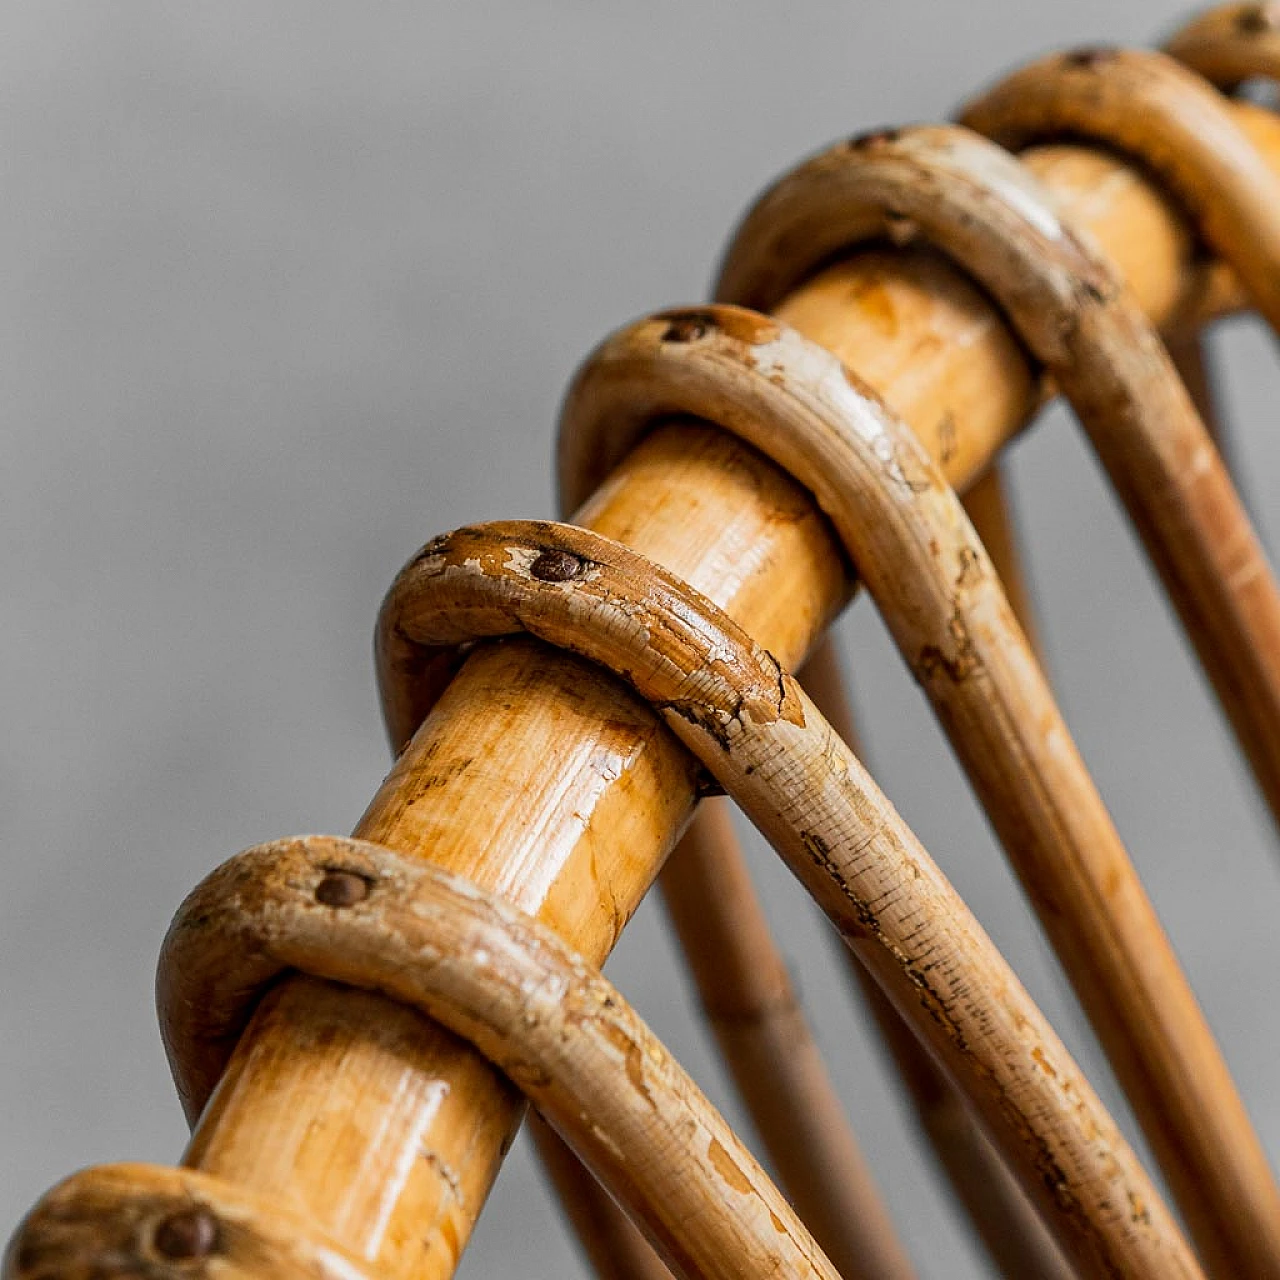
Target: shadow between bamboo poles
{"x":753,"y":727}
{"x":748,"y":1001}
{"x":367,"y":1073}
{"x":971,"y":199}
{"x":768,"y":1046}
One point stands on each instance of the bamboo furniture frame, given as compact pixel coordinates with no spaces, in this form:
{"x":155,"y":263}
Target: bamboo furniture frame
{"x":561,"y":696}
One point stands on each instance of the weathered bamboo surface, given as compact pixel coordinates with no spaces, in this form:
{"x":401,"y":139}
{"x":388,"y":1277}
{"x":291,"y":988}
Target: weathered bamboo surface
{"x":757,"y":733}
{"x":951,"y":188}
{"x":363,"y":916}
{"x":998,"y":1208}
{"x":379,"y":1126}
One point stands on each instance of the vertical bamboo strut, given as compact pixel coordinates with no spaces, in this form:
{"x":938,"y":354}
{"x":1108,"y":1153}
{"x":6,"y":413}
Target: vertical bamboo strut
{"x":372,"y":1120}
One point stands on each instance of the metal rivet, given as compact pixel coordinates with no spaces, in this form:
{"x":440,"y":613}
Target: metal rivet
{"x":556,"y":566}
{"x":342,"y":889}
{"x":688,"y":328}
{"x":190,"y":1233}
{"x":876,"y":140}
{"x":1088,"y":57}
{"x":1256,"y":19}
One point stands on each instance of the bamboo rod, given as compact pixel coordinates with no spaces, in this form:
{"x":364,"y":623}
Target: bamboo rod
{"x":766,"y":1042}
{"x":766,"y":743}
{"x":1002,"y":1216}
{"x":382,"y":1127}
{"x":974,"y":201}
{"x":361,"y":915}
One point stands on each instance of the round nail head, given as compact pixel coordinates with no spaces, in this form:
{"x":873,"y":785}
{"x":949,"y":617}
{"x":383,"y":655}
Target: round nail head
{"x":342,"y":889}
{"x":555,"y":566}
{"x":189,"y":1233}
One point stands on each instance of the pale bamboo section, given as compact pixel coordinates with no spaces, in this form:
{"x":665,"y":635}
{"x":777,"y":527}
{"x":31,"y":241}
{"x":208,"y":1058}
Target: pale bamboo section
{"x":383,"y":1128}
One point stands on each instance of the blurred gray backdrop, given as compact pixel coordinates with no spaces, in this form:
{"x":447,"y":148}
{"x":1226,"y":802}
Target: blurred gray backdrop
{"x":289,"y":288}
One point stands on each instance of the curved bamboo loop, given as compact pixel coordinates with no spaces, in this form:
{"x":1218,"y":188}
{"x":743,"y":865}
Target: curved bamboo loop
{"x":1231,"y":44}
{"x":125,"y":1221}
{"x":754,"y":728}
{"x":969,"y":198}
{"x":1168,"y":118}
{"x":758,"y":1024}
{"x":998,"y":1208}
{"x":358,"y":914}
{"x":319,"y":1049}
{"x":906,"y":534}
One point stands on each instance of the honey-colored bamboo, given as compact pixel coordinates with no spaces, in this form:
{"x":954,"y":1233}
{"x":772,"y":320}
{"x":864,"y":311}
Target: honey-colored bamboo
{"x":757,"y":733}
{"x":940,"y":599}
{"x":385,"y":1130}
{"x":997,"y":1207}
{"x":971,"y":199}
{"x":1231,"y":44}
{"x":361,"y":915}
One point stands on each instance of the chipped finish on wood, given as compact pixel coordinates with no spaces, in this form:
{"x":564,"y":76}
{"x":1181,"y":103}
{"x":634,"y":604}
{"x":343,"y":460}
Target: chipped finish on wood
{"x":998,"y":1208}
{"x":544,"y":1016}
{"x":1231,"y":44}
{"x":145,"y":1222}
{"x":971,"y":199}
{"x":754,"y":728}
{"x":766,"y":1042}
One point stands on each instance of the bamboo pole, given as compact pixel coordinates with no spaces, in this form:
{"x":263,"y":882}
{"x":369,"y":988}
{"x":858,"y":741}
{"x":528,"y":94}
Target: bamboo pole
{"x":998,"y":1209}
{"x":728,"y":523}
{"x":765,"y":1040}
{"x":382,"y":1127}
{"x":766,"y":743}
{"x":973,"y":200}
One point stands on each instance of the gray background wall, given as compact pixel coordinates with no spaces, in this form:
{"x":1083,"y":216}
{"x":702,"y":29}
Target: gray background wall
{"x":257,"y":262}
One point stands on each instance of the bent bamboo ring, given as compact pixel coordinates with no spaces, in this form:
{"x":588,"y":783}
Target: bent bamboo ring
{"x":1231,"y":44}
{"x":974,"y":202}
{"x":908,"y":537}
{"x":357,"y":913}
{"x":754,"y":728}
{"x":132,"y":1221}
{"x":1145,"y":105}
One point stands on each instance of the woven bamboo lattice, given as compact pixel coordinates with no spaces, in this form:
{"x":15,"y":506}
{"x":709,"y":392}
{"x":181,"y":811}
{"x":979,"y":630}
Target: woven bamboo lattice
{"x":435,"y":988}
